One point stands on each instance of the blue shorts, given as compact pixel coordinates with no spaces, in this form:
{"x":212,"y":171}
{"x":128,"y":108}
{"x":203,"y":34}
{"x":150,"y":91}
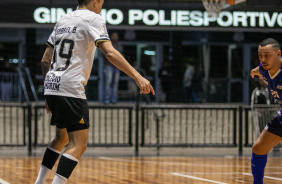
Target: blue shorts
{"x":69,"y":113}
{"x":275,"y":125}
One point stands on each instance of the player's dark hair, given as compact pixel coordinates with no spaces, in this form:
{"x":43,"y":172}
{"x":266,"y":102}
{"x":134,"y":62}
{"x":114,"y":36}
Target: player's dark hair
{"x":270,"y":41}
{"x":83,"y":2}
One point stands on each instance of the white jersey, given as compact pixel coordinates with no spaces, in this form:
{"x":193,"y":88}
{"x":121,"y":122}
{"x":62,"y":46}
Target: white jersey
{"x":74,"y":40}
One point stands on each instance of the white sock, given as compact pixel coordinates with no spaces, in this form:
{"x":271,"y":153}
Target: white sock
{"x":44,"y":171}
{"x":59,"y":179}
{"x":42,"y":175}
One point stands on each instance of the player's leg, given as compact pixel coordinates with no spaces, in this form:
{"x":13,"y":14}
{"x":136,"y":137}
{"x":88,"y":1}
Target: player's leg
{"x":51,"y":155}
{"x":261,"y":147}
{"x":61,"y":139}
{"x":69,"y":159}
{"x":76,"y":120}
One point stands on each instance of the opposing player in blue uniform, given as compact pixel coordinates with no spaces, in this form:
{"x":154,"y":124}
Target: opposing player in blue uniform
{"x":270,"y":71}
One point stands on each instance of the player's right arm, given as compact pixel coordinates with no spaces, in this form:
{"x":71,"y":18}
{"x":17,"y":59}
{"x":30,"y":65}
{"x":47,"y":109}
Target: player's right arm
{"x":255,"y":72}
{"x":46,"y":61}
{"x":45,"y":66}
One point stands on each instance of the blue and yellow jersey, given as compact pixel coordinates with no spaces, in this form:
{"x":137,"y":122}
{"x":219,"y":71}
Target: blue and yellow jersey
{"x":274,"y":83}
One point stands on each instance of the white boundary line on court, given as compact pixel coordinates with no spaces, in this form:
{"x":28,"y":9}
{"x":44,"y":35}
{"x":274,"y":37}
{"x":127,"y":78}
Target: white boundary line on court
{"x":268,"y":177}
{"x":3,"y":181}
{"x":197,"y":178}
{"x":226,"y":173}
{"x":176,"y":163}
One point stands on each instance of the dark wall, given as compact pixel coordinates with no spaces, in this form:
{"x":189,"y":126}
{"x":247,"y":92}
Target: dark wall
{"x":269,"y":3}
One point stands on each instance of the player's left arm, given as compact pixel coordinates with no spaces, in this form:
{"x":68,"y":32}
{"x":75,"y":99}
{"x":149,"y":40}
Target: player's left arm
{"x":255,"y":72}
{"x":46,"y":61}
{"x":45,"y":66}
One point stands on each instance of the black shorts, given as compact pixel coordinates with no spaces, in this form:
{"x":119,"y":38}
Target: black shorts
{"x":69,"y":113}
{"x":275,"y":125}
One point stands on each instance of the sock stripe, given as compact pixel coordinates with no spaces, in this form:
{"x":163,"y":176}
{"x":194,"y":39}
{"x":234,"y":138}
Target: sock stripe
{"x":70,"y":157}
{"x":44,"y":167}
{"x":54,"y":150}
{"x":61,"y":176}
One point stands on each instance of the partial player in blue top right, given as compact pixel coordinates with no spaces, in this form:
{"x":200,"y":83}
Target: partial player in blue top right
{"x":270,"y":71}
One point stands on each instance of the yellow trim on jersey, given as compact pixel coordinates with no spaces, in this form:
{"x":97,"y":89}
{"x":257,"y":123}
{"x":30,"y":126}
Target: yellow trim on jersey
{"x":101,"y":41}
{"x":49,"y":45}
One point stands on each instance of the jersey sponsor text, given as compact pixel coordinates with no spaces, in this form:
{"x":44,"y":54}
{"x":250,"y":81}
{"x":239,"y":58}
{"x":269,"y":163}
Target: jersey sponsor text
{"x":52,"y":82}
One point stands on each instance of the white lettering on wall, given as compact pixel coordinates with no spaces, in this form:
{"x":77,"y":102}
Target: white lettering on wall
{"x":42,"y":15}
{"x":114,"y":12}
{"x":182,"y":18}
{"x":240,"y":18}
{"x":253,"y":17}
{"x":191,"y":18}
{"x":225,"y":19}
{"x":196,"y":18}
{"x":270,"y":21}
{"x":45,"y":15}
{"x":162,"y":19}
{"x":150,"y":17}
{"x":279,"y":19}
{"x":134,"y":15}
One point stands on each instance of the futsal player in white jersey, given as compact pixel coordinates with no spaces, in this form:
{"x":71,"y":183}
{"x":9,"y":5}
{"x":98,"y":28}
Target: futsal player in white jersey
{"x":66,"y":66}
